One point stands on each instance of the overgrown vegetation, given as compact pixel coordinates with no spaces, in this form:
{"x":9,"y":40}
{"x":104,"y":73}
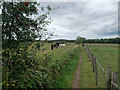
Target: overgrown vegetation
{"x":66,"y":77}
{"x":19,"y":65}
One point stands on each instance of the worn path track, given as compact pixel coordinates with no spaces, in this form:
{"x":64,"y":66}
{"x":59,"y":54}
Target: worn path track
{"x":76,"y":82}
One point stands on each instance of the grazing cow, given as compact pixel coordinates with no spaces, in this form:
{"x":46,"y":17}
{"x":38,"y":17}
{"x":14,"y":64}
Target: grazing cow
{"x":62,"y":45}
{"x":57,"y":45}
{"x":54,"y":45}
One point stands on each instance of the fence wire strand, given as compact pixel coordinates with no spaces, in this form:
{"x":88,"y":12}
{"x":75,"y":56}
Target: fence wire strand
{"x":101,"y":76}
{"x":100,"y":66}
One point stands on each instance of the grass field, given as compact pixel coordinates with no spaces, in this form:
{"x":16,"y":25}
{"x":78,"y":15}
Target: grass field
{"x":107,"y":55}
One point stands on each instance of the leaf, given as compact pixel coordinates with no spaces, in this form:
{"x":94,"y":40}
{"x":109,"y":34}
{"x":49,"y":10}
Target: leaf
{"x":49,"y":8}
{"x":42,"y":8}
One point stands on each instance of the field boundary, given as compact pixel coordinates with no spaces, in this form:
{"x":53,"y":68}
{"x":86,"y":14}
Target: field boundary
{"x":109,"y":78}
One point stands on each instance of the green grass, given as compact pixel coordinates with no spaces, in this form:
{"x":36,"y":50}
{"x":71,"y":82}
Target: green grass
{"x":66,"y":57}
{"x":106,"y":55}
{"x":66,"y":77}
{"x":87,"y":78}
{"x":51,"y":62}
{"x":57,"y":54}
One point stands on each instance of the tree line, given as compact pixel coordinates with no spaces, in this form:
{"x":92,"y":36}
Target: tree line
{"x":80,"y":40}
{"x":110,"y":40}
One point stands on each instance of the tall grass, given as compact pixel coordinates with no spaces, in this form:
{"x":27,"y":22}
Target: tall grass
{"x":35,"y":67}
{"x":66,"y":77}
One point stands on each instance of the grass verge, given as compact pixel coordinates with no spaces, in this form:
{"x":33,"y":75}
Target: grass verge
{"x":87,"y":78}
{"x":66,"y":77}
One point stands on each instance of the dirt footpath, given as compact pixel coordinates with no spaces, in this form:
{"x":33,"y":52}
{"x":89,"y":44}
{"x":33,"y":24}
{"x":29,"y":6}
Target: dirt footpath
{"x":76,"y":82}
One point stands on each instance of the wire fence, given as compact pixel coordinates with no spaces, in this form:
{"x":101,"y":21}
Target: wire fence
{"x":108,"y":78}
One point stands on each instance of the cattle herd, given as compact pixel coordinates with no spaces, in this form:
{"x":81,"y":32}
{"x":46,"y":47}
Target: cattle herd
{"x":57,"y":45}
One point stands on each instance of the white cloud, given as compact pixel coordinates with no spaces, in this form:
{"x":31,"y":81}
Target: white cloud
{"x":87,"y":19}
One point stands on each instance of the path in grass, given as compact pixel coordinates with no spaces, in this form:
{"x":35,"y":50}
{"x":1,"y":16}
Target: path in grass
{"x":65,"y":79}
{"x":77,"y":76}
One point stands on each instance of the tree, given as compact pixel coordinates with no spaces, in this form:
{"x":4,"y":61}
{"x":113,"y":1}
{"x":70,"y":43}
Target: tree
{"x":79,"y":40}
{"x":18,"y":23}
{"x":18,"y":28}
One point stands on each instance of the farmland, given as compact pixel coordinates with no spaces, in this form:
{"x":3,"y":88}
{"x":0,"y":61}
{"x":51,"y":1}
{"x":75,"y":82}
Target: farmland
{"x":106,"y":55}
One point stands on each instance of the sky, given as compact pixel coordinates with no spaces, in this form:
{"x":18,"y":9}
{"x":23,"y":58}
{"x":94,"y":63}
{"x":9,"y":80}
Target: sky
{"x":92,"y":20}
{"x":86,"y":19}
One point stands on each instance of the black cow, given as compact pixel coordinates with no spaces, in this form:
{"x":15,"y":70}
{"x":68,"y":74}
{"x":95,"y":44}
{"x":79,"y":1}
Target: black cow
{"x":52,"y":46}
{"x":55,"y":45}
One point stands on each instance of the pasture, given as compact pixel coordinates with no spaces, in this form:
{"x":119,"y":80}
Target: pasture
{"x":106,"y":55}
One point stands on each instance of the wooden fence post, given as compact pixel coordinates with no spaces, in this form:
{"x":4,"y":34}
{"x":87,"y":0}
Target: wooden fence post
{"x":108,"y":77}
{"x":114,"y":78}
{"x":93,"y":59}
{"x":88,"y":54}
{"x":95,"y":69}
{"x":87,"y":50}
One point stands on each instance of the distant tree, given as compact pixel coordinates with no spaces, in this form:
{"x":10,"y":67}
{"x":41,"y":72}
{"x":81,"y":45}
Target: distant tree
{"x":79,"y":40}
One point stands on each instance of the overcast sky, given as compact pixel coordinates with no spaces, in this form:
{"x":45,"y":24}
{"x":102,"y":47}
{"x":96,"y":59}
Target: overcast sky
{"x":87,"y":19}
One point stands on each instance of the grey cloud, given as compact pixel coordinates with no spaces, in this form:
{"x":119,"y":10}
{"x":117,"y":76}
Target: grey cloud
{"x":91,"y":20}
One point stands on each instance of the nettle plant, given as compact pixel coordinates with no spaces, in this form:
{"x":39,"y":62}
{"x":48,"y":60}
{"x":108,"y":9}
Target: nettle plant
{"x":19,"y":31}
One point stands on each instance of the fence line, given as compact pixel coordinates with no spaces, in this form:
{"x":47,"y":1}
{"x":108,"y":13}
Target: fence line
{"x":109,"y":82}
